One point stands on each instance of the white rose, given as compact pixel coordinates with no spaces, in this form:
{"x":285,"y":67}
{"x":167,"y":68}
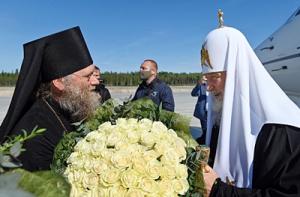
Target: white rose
{"x":103,"y":192}
{"x":133,"y":137}
{"x":180,"y":142}
{"x":82,"y":147}
{"x":139,"y":165}
{"x":181,"y":152}
{"x":148,"y":139}
{"x":90,"y":180}
{"x":172,"y":133}
{"x":107,"y":154}
{"x":135,"y":193}
{"x":69,"y":175}
{"x":161,"y":147}
{"x":180,"y":186}
{"x":121,"y":121}
{"x":76,"y":191}
{"x":170,"y":157}
{"x":88,"y":165}
{"x":97,"y":147}
{"x":117,"y":191}
{"x":153,"y":169}
{"x":113,"y":139}
{"x":130,"y":178}
{"x":135,"y":149}
{"x":132,"y":122}
{"x":181,"y":171}
{"x":94,"y":192}
{"x":148,"y":185}
{"x":105,"y":126}
{"x":74,"y":157}
{"x":95,"y":136}
{"x":145,"y":124}
{"x":109,"y":177}
{"x":158,"y":127}
{"x":78,"y":175}
{"x":100,"y":166}
{"x":121,"y":160}
{"x":150,"y":155}
{"x":165,"y":188}
{"x":167,"y":172}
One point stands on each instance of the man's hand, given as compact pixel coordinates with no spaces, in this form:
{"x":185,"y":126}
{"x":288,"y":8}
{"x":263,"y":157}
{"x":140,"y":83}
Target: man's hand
{"x":209,"y":176}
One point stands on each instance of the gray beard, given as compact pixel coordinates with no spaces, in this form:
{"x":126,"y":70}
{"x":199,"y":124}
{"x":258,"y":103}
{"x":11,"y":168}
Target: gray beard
{"x":217,"y":109}
{"x":80,"y":103}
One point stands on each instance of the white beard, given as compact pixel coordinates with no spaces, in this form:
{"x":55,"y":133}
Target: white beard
{"x":217,"y":109}
{"x":80,"y":102}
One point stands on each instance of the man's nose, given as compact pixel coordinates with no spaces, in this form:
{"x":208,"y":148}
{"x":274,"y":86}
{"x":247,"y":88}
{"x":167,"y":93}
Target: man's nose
{"x":94,"y":80}
{"x":209,"y":87}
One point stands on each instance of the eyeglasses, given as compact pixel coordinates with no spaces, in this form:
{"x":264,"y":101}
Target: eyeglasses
{"x":88,"y":77}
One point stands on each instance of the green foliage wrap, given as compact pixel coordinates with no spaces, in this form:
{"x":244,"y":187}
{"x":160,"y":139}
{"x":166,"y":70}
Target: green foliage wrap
{"x":63,"y":150}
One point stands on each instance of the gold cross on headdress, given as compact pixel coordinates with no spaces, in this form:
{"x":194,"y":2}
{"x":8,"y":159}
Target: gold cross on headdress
{"x":205,"y":58}
{"x":220,"y":18}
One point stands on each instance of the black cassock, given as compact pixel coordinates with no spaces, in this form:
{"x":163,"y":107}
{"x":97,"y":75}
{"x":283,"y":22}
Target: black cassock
{"x":276,"y":164}
{"x":40,"y":149}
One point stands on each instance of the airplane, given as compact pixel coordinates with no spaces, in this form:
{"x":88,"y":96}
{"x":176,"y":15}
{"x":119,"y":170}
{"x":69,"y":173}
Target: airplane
{"x":280,"y":54}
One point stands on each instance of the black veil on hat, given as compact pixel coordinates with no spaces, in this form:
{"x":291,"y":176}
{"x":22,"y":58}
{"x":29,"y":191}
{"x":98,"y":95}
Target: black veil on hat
{"x":45,"y":59}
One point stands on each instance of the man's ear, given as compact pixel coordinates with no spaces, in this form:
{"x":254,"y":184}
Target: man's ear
{"x":58,"y":84}
{"x":153,"y":71}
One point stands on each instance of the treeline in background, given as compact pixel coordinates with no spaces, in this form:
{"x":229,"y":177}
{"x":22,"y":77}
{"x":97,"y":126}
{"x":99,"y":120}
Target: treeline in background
{"x":120,"y":79}
{"x":8,"y":79}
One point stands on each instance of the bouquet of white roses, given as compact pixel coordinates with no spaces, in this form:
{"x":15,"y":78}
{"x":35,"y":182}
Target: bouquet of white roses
{"x":130,"y":158}
{"x":134,"y":149}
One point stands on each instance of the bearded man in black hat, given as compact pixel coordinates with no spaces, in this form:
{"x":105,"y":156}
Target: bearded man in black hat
{"x":54,"y":89}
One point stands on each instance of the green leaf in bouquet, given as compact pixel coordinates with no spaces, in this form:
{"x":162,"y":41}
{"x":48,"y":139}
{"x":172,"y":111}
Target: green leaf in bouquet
{"x":196,"y":159}
{"x":63,"y":150}
{"x":8,"y":162}
{"x":15,"y":150}
{"x":101,"y":115}
{"x":5,"y":147}
{"x":141,"y":108}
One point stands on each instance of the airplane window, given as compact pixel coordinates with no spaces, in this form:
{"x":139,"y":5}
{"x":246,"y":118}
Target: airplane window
{"x":298,"y":13}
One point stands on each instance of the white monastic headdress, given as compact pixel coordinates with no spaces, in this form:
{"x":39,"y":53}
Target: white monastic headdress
{"x":251,"y":99}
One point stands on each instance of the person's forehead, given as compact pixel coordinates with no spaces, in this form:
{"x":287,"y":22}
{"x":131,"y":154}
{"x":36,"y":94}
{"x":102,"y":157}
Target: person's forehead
{"x":146,"y":64}
{"x":87,"y":70}
{"x":97,"y":71}
{"x":212,"y":74}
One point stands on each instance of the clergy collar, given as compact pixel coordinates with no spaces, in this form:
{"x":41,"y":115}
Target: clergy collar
{"x":57,"y":108}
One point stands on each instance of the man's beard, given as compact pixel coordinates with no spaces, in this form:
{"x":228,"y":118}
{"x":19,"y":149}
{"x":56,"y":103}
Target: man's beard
{"x":80,"y":102}
{"x":217,"y":108}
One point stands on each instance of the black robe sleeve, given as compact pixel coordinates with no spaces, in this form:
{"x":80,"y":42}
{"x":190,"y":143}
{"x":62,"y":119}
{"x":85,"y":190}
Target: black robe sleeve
{"x":38,"y":154}
{"x":276,"y":165}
